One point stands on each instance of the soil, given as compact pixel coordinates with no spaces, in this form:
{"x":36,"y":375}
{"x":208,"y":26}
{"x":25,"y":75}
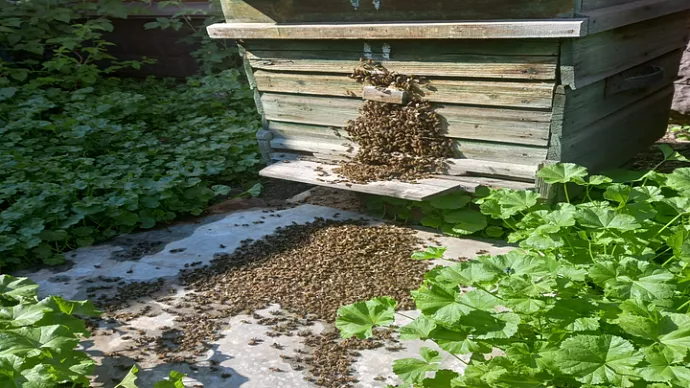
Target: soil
{"x":276,"y":191}
{"x":650,"y":158}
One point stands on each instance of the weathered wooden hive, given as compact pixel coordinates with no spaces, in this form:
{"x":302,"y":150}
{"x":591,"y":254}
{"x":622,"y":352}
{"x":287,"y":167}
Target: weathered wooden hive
{"x":520,"y":83}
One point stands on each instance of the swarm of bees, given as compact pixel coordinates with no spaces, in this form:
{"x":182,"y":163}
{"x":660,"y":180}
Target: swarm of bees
{"x":403,"y":142}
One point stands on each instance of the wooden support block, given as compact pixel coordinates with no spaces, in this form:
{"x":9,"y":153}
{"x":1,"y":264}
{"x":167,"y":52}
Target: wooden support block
{"x":390,"y":96}
{"x":264,"y":138}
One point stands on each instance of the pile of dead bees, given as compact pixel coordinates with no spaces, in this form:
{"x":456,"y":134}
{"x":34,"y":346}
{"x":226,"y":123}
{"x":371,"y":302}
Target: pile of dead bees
{"x":394,"y":141}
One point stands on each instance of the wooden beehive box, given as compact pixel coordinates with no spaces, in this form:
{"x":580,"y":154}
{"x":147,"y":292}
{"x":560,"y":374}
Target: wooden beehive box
{"x":519,"y":83}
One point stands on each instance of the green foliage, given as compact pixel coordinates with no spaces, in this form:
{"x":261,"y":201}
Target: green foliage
{"x":212,"y":55}
{"x":597,"y":295}
{"x":83,"y":166}
{"x":174,"y":380}
{"x":84,"y":157}
{"x":429,"y":253}
{"x":681,"y":132}
{"x":57,"y":43}
{"x":38,"y":337}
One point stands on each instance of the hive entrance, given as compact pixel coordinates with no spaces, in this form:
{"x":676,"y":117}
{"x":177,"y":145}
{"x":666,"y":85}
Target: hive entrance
{"x":395,"y":141}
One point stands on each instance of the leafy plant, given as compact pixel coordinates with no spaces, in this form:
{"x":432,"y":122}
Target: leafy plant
{"x":597,"y":295}
{"x":57,"y":43}
{"x":212,"y":55}
{"x":38,"y":337}
{"x":83,"y":166}
{"x":174,"y":380}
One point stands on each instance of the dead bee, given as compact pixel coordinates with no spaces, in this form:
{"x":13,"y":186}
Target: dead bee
{"x":278,"y":346}
{"x":273,"y":369}
{"x":255,"y":341}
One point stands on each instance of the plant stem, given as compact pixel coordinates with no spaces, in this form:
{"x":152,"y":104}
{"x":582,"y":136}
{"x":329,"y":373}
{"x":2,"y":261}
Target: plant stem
{"x":565,"y":191}
{"x":667,"y":225}
{"x":459,"y":359}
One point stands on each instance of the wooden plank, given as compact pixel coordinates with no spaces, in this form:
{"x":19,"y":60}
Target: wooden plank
{"x":491,"y":93}
{"x":618,"y":137}
{"x":507,"y":153}
{"x":584,"y":106}
{"x":480,"y":123}
{"x":406,"y":50}
{"x":608,"y":53}
{"x":470,"y":184}
{"x":496,"y":59}
{"x":264,"y":137}
{"x":456,"y":167}
{"x":465,"y":149}
{"x":305,"y":171}
{"x":554,"y":28}
{"x":605,"y":19}
{"x":388,"y":95}
{"x":292,"y":11}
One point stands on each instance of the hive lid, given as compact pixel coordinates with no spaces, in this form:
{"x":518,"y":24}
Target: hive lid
{"x":554,"y":28}
{"x":306,"y":172}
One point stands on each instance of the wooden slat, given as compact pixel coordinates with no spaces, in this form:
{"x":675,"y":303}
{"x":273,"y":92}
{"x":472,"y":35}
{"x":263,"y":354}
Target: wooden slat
{"x":456,"y":167}
{"x":305,"y":171}
{"x":470,"y":184}
{"x":499,"y":59}
{"x":605,"y":19}
{"x":616,"y":138}
{"x":491,"y":93}
{"x":290,"y":11}
{"x":484,"y":151}
{"x":608,"y":53}
{"x":406,"y":50}
{"x":463,"y":122}
{"x":554,"y":28}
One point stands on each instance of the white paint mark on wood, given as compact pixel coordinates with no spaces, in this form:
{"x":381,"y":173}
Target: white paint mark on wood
{"x":386,"y":51}
{"x":377,"y":4}
{"x":368,"y":54}
{"x":355,"y":4}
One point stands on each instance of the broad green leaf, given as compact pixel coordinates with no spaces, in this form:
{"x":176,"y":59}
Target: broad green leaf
{"x":618,"y":192}
{"x":492,"y":325}
{"x":670,"y":153}
{"x":605,"y":219}
{"x":466,"y":274}
{"x":450,"y":201}
{"x":414,"y":370}
{"x":598,"y":180}
{"x":255,"y":190}
{"x":84,"y":307}
{"x":420,"y":328}
{"x":675,"y":332}
{"x":562,"y":173}
{"x":447,"y":305}
{"x":17,"y":288}
{"x":600,"y":359}
{"x":359,"y":319}
{"x":430,"y":253}
{"x":466,"y":221}
{"x":631,"y":278}
{"x":679,"y":180}
{"x":664,"y":365}
{"x":174,"y":381}
{"x":442,"y":379}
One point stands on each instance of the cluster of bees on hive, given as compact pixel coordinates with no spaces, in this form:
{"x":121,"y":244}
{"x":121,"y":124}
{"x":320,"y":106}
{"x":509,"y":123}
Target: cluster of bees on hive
{"x":395,"y":141}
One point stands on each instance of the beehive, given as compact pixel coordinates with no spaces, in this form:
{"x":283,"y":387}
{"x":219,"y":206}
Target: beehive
{"x":519,"y":84}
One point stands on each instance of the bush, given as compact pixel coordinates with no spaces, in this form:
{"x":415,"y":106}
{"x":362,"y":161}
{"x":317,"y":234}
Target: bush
{"x":85,"y":157}
{"x":597,"y":296}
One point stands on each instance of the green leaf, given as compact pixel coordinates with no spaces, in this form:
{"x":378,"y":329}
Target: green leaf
{"x":129,"y":381}
{"x":420,"y":328}
{"x":360,"y":318}
{"x":664,"y":365}
{"x":562,"y":173}
{"x":606,"y":219}
{"x":447,"y":305}
{"x":84,"y":307}
{"x":17,"y":288}
{"x":466,"y":221}
{"x":255,"y":191}
{"x":430,"y":253}
{"x":450,"y":201}
{"x":414,"y":370}
{"x":174,"y":381}
{"x":679,"y":180}
{"x":53,"y":235}
{"x":631,"y":278}
{"x":220,"y":189}
{"x":442,"y":379}
{"x":6,"y":93}
{"x":670,"y":153}
{"x":601,"y":359}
